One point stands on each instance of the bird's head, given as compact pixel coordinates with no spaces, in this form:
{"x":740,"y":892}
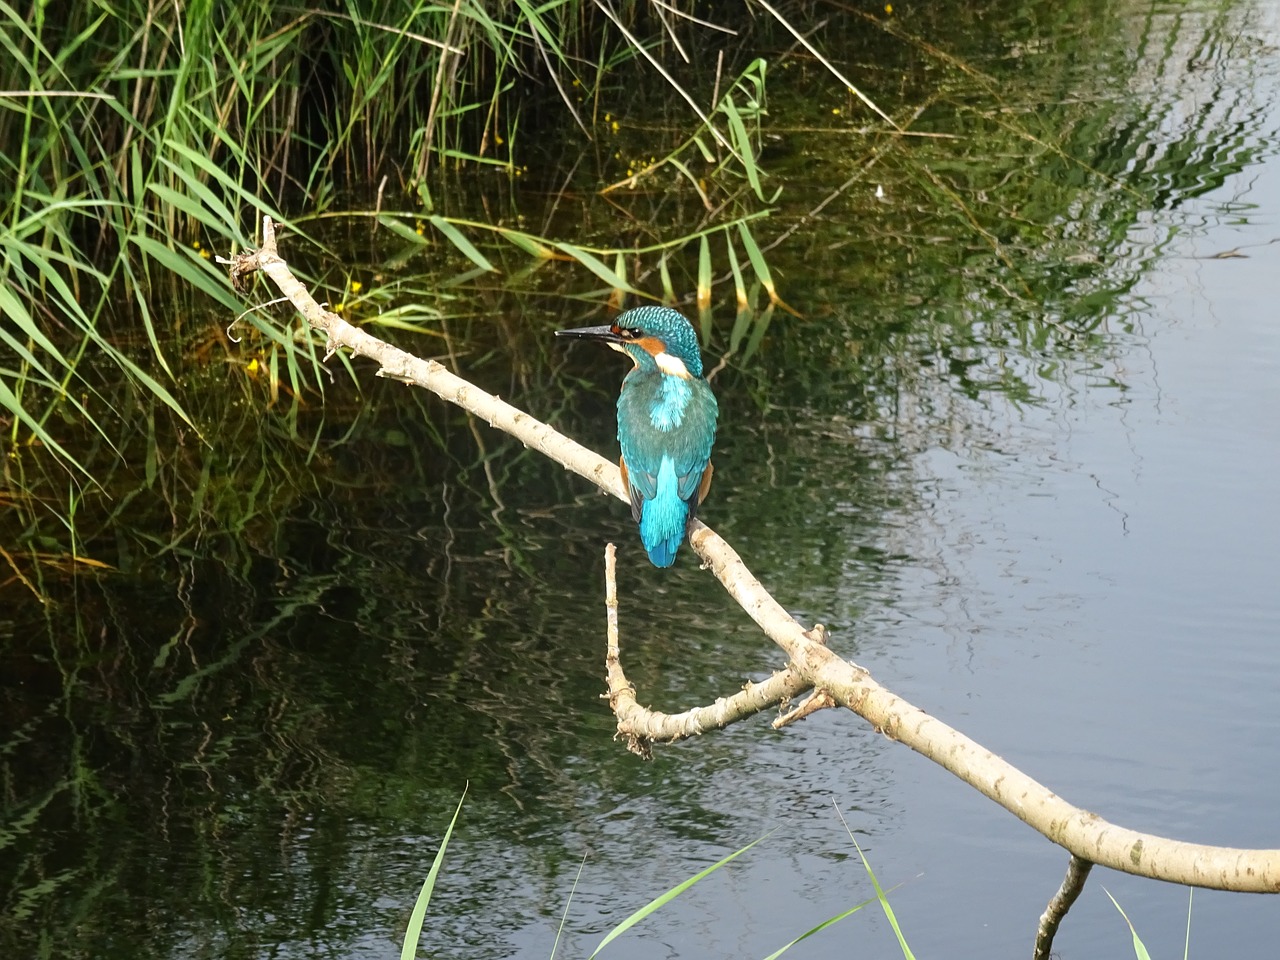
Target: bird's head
{"x":655,"y":338}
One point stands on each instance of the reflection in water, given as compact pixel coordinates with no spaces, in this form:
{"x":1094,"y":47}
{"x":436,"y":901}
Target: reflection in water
{"x":248,"y":741}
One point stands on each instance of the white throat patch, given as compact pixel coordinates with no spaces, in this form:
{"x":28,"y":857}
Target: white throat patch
{"x":671,"y":365}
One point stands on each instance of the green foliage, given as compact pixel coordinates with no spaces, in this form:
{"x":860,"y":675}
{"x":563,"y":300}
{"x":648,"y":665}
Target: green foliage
{"x":139,"y":139}
{"x":136,"y":140}
{"x":414,"y":930}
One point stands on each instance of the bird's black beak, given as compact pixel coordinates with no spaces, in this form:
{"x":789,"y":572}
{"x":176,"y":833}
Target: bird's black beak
{"x":605,"y":333}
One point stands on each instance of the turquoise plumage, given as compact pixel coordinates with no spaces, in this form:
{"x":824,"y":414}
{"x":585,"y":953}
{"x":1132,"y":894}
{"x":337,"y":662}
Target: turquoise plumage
{"x":666,"y":423}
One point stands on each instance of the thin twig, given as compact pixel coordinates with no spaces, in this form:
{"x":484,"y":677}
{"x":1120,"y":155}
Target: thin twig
{"x":607,"y":10}
{"x":437,"y":90}
{"x":828,"y":64}
{"x":639,"y":727}
{"x":1072,"y":884}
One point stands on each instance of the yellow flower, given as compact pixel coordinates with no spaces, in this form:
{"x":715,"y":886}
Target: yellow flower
{"x":356,"y":286}
{"x":888,"y":8}
{"x":614,"y":126}
{"x":836,"y":111}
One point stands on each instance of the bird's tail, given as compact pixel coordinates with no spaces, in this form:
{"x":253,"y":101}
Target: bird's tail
{"x":663,"y":520}
{"x":662,"y":540}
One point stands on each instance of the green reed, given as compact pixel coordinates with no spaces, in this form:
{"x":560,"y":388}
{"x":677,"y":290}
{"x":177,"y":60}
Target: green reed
{"x":141,"y":138}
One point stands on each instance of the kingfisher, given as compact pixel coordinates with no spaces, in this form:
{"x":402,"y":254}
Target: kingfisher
{"x":666,"y":423}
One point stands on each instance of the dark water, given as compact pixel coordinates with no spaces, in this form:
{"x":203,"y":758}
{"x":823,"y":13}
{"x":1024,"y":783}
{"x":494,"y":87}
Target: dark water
{"x":1018,"y":454}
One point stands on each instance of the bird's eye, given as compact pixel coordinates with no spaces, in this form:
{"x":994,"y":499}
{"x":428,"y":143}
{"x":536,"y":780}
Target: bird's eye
{"x":629,"y":333}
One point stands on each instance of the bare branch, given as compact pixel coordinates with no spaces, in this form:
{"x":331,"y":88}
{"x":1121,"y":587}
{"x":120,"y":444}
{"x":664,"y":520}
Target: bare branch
{"x":1080,"y":832}
{"x":639,"y":727}
{"x":1072,"y":885}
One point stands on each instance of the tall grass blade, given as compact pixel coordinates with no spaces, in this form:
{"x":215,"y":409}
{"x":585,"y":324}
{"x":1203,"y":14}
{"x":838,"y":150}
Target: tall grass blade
{"x":564,"y":916}
{"x":190,"y":269}
{"x":704,"y":272}
{"x":884,"y":901}
{"x":741,"y":324}
{"x":462,"y":243}
{"x":758,"y":330}
{"x":204,"y":207}
{"x":527,"y":243}
{"x":413,"y":932}
{"x":739,"y":286}
{"x":1139,"y":948}
{"x":620,"y":268}
{"x":10,"y":402}
{"x":820,"y":927}
{"x":643,"y":50}
{"x":664,"y":273}
{"x":880,"y":894}
{"x":1186,"y":946}
{"x":13,"y":309}
{"x":828,"y":64}
{"x":596,"y":266}
{"x":667,"y":897}
{"x":402,"y":230}
{"x":746,"y":151}
{"x":693,"y":181}
{"x":233,"y":187}
{"x":706,"y":323}
{"x":761,"y":267}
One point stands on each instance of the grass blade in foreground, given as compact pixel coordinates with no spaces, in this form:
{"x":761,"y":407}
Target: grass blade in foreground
{"x":884,"y":904}
{"x":1139,"y":948}
{"x":822,"y":926}
{"x":414,"y":930}
{"x":666,"y":898}
{"x":880,"y":894}
{"x":564,"y":916}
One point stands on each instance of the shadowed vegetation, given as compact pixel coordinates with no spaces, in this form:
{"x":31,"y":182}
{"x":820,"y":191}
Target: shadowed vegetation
{"x":672,"y":159}
{"x":142,"y":138}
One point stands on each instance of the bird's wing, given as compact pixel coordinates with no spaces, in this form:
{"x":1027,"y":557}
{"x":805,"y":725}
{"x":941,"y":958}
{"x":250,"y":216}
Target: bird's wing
{"x":689,"y":482}
{"x":699,"y":491}
{"x":637,"y":494}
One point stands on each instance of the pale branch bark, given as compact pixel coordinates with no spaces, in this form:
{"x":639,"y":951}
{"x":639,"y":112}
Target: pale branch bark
{"x":639,"y":727}
{"x":1072,"y":885}
{"x":1080,"y":832}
